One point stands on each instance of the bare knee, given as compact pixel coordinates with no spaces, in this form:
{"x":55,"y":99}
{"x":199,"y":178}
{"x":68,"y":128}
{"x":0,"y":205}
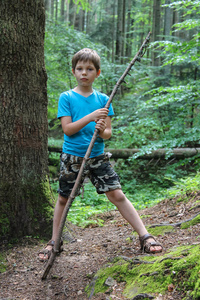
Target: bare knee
{"x":62,"y":200}
{"x":116,"y":196}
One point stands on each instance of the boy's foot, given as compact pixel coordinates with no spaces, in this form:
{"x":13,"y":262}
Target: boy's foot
{"x":149,"y":244}
{"x":45,"y":253}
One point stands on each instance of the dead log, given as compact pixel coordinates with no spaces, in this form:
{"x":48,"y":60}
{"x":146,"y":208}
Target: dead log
{"x":173,"y":224}
{"x":177,"y":153}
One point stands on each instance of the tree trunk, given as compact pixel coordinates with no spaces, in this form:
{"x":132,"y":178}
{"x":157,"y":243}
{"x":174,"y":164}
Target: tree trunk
{"x":47,"y":7}
{"x":156,"y":29}
{"x":167,"y":30}
{"x":123,"y":30}
{"x":52,"y":10}
{"x":178,"y":153}
{"x":113,"y":33}
{"x":56,"y":14}
{"x":89,"y":19}
{"x":119,"y":30}
{"x":130,"y":23}
{"x":24,"y":187}
{"x":81,"y":19}
{"x":62,"y":10}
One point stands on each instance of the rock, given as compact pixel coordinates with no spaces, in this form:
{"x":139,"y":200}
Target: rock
{"x":79,"y":293}
{"x":110,"y":281}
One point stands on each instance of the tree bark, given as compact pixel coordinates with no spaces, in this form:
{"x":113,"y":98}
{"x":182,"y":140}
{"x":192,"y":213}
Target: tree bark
{"x":24,"y":187}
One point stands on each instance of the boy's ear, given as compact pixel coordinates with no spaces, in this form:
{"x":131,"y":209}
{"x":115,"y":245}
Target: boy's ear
{"x":73,"y":71}
{"x":98,"y":73}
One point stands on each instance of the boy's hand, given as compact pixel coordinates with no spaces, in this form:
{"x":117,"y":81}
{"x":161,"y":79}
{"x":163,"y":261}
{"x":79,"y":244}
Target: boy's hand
{"x":99,"y":114}
{"x":101,"y":125}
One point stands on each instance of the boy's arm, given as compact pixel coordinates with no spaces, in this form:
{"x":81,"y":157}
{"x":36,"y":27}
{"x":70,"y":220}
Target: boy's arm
{"x":70,"y":128}
{"x":105,"y":128}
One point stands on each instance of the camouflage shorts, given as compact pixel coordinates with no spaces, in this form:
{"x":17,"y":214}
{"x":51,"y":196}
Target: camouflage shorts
{"x":98,"y":170}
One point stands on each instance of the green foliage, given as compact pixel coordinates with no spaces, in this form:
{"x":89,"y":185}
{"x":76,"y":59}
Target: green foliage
{"x":61,"y":43}
{"x":184,"y":186}
{"x":155,"y":110}
{"x":86,"y":206}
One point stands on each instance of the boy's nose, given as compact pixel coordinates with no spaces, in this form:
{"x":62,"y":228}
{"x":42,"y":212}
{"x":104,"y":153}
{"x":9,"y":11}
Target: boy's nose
{"x":84,"y":71}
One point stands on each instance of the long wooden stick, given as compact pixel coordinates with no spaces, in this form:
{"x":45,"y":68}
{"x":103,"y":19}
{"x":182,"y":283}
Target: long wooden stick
{"x":76,"y":187}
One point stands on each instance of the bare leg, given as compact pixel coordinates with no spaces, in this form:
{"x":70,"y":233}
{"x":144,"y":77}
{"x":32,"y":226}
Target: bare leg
{"x":127,"y":210}
{"x":59,"y":207}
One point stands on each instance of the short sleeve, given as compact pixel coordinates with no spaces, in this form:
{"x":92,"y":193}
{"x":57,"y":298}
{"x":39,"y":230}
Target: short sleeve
{"x":111,"y":111}
{"x":63,"y":106}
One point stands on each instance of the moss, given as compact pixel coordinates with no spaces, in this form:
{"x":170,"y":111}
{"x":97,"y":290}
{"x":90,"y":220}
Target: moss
{"x":145,"y":216}
{"x":160,"y":230}
{"x":29,"y":211}
{"x":116,"y":270}
{"x":179,"y":267}
{"x":3,"y":264}
{"x":53,"y":171}
{"x":193,"y":222}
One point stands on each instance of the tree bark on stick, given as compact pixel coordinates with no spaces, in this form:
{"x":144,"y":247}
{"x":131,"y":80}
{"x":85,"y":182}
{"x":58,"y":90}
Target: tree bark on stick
{"x":75,"y":189}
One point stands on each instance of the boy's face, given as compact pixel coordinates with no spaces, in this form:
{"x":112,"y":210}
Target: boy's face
{"x":85,"y":73}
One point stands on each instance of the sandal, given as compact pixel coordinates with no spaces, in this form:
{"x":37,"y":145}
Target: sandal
{"x":47,"y":252}
{"x":146,"y":246}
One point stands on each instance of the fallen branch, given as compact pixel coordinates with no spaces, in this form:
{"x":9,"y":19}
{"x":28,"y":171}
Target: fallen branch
{"x":75,"y":189}
{"x":177,"y":153}
{"x":173,"y":224}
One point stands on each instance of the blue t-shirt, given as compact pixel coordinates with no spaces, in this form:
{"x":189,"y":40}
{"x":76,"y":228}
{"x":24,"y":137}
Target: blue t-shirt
{"x":77,"y":106}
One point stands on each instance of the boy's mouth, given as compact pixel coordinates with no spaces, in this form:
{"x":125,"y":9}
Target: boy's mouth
{"x":83,"y":79}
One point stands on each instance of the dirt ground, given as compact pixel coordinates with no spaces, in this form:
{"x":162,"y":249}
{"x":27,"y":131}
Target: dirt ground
{"x":88,"y":250}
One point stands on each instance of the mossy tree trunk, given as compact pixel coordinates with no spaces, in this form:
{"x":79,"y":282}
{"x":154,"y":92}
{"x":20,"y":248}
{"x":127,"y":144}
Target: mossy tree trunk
{"x":24,"y":189}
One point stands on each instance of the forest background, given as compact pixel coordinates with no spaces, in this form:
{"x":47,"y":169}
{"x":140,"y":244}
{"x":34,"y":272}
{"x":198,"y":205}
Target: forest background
{"x":158,"y":107}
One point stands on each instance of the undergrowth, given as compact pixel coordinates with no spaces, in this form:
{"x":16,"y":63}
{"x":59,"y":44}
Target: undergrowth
{"x":89,"y":204}
{"x":145,"y":183}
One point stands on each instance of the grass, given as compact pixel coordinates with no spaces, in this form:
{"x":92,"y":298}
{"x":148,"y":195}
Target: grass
{"x":3,"y":264}
{"x":86,"y":206}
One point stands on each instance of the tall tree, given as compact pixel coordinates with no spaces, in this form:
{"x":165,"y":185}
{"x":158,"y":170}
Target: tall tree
{"x":24,"y":188}
{"x":47,"y":6}
{"x":130,"y":22}
{"x":167,"y":30}
{"x":62,"y":10}
{"x":156,"y":29}
{"x":119,"y":32}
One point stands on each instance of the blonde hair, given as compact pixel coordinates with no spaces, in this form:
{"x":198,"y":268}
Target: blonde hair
{"x":84,"y":55}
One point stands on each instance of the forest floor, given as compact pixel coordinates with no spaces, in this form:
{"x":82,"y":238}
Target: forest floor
{"x":88,"y":250}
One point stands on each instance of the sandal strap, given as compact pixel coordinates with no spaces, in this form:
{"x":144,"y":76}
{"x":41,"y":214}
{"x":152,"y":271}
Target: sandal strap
{"x":145,"y":237}
{"x":145,"y":245}
{"x":51,"y":243}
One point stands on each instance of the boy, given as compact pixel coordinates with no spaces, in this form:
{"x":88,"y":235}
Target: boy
{"x":81,"y":110}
